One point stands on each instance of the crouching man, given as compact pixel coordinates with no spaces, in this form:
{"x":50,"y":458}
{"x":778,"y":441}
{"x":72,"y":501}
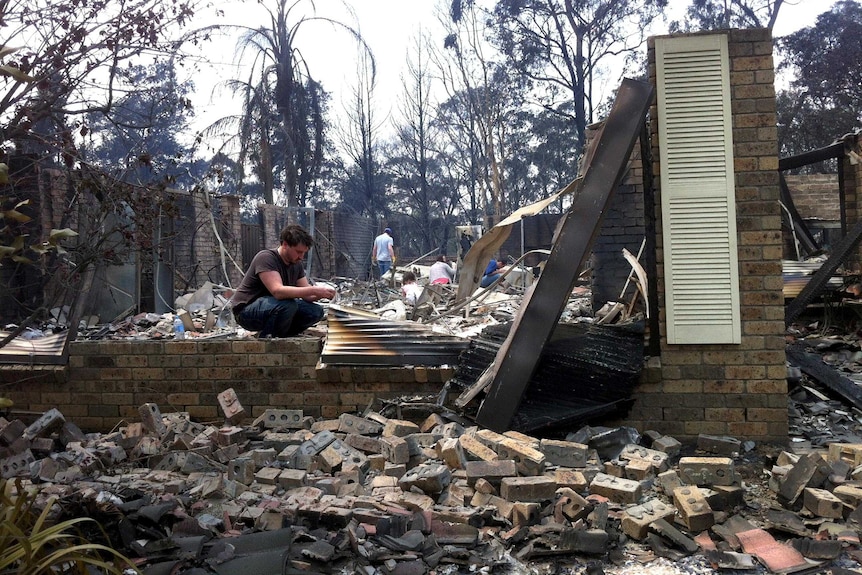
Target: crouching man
{"x":274,"y":297}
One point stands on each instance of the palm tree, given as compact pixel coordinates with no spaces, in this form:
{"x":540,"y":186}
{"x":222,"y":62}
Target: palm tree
{"x":281,"y":128}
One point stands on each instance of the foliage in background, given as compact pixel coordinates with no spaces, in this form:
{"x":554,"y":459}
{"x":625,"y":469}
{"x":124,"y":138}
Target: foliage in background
{"x":824,"y":99}
{"x":32,"y":544}
{"x":723,"y":14}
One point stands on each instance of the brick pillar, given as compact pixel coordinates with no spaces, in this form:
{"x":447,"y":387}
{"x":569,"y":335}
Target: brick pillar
{"x":737,"y":390}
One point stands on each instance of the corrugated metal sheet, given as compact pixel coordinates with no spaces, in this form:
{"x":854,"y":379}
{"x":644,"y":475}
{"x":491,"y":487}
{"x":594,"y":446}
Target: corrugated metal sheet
{"x":357,"y":337}
{"x":798,"y":274}
{"x":252,"y":242}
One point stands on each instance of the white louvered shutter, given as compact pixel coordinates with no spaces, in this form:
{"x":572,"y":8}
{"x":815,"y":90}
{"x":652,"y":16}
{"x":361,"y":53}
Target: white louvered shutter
{"x":697,"y":190}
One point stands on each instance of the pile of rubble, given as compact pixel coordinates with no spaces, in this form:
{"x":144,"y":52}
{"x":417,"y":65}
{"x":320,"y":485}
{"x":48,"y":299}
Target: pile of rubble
{"x":375,"y":494}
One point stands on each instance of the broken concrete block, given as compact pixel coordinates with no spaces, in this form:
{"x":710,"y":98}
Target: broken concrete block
{"x":849,"y":452}
{"x":637,"y":518}
{"x":242,"y":470}
{"x":348,"y":423}
{"x":822,"y":503}
{"x":399,"y":428}
{"x":311,"y":447}
{"x":263,"y":457}
{"x":417,"y":442}
{"x":452,"y":430}
{"x":723,"y":497}
{"x":639,"y":470}
{"x":42,"y":445}
{"x":394,"y":469}
{"x":491,"y":471}
{"x":590,"y":541}
{"x":151,"y":418}
{"x":533,"y":488}
{"x":43,"y":469}
{"x":718,"y":444}
{"x":363,"y":443}
{"x":570,"y":505}
{"x":50,"y":421}
{"x":851,"y":495}
{"x":525,"y":514}
{"x":667,"y":444}
{"x":807,"y":471}
{"x":429,"y":478}
{"x":229,"y":435}
{"x":707,"y":471}
{"x":616,"y":489}
{"x":572,"y":478}
{"x":451,"y":452}
{"x":564,"y":453}
{"x":665,"y":529}
{"x":233,"y":410}
{"x":16,"y":465}
{"x":484,"y":486}
{"x":268,"y":475}
{"x":658,"y":460}
{"x":529,"y":461}
{"x":395,"y":449}
{"x":614,"y":468}
{"x":11,"y":431}
{"x":693,"y":509}
{"x":476,"y":449}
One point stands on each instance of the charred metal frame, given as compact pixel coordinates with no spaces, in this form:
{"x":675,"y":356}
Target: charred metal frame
{"x":544,"y":302}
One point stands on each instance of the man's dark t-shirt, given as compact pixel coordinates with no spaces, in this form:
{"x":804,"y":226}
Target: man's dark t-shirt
{"x":251,"y":287}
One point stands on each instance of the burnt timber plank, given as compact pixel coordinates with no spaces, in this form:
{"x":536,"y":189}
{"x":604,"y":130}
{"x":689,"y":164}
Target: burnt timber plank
{"x":812,"y":365}
{"x":545,"y":300}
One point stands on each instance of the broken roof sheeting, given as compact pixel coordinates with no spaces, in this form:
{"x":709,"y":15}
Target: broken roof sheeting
{"x":356,"y":337}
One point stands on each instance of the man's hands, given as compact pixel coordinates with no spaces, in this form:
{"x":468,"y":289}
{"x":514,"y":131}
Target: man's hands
{"x":322,"y":292}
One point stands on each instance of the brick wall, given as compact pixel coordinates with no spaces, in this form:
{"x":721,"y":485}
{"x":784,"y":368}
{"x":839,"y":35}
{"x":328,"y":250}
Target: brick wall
{"x":623,"y":226}
{"x":815,"y":195}
{"x":737,"y":390}
{"x":105,"y":382}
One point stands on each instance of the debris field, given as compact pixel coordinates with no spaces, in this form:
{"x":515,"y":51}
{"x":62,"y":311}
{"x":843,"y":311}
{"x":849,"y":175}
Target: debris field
{"x":371,"y":493}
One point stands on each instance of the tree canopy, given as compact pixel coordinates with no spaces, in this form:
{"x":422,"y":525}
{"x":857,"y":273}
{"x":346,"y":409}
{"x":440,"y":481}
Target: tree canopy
{"x":823,"y":100}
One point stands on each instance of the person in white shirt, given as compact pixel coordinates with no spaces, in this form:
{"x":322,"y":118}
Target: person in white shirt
{"x":441,"y":271}
{"x":410,"y":289}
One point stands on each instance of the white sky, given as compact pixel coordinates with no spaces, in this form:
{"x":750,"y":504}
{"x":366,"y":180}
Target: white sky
{"x":389,"y":27}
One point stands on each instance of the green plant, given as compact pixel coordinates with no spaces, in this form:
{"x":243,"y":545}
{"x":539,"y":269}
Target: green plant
{"x":32,"y":544}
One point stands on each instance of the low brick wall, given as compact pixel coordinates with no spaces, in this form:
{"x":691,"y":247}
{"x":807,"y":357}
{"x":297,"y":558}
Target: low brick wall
{"x":106,"y":381}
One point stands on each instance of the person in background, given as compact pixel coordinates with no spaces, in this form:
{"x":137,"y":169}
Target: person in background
{"x":441,"y":271}
{"x":275,"y":297}
{"x":493,"y":270}
{"x":410,"y":289}
{"x":383,"y":251}
{"x":466,"y":243}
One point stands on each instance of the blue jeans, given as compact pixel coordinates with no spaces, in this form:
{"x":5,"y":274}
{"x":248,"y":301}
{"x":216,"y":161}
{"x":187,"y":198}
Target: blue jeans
{"x":384,"y":266}
{"x":488,"y":280}
{"x":279,"y":317}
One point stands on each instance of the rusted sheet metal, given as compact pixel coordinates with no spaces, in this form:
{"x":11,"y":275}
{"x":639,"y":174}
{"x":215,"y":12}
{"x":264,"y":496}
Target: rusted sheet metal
{"x":544,"y":301}
{"x":355,"y":337}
